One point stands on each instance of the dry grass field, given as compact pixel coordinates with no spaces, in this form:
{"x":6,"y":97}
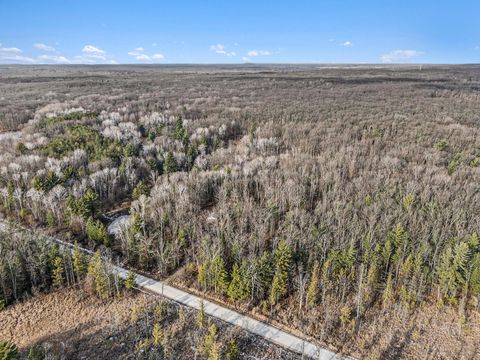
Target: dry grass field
{"x":69,"y":324}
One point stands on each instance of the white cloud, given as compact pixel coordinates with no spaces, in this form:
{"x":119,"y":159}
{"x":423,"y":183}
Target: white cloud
{"x":220,"y":49}
{"x":259,"y":53}
{"x":11,"y":55}
{"x":347,"y":44}
{"x":53,"y":59}
{"x":15,"y":58}
{"x":79,"y":59}
{"x":91,"y":55}
{"x":142,"y":57}
{"x":400,"y":56}
{"x":43,"y":47}
{"x":95,"y":57}
{"x":10,"y":50}
{"x":245,"y":59}
{"x":138,"y":54}
{"x":90,"y":49}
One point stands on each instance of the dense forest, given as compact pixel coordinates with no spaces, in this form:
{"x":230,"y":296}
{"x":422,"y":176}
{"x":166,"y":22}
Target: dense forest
{"x":311,"y":197}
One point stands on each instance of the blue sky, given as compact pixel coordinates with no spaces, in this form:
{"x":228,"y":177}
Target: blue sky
{"x":213,"y":31}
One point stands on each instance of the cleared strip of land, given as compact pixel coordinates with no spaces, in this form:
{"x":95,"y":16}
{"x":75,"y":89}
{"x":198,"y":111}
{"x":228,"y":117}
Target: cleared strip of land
{"x":269,"y":332}
{"x":256,"y":327}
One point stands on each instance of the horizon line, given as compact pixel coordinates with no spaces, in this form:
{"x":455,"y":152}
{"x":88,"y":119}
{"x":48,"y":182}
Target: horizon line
{"x":247,"y":64}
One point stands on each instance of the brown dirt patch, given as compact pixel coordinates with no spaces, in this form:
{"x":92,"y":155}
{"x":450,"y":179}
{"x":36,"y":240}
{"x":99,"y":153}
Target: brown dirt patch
{"x":69,"y":324}
{"x":62,"y":316}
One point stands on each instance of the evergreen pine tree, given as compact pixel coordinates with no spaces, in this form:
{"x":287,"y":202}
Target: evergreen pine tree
{"x":79,"y":262}
{"x":239,"y":288}
{"x":452,"y":269}
{"x":140,"y":189}
{"x":157,"y":335}
{"x":262,"y":276}
{"x":283,"y":257}
{"x":233,"y":351}
{"x":96,"y":271}
{"x":278,"y":288}
{"x":50,"y":220}
{"x":283,"y":262}
{"x":57,"y":272}
{"x":8,"y":350}
{"x":210,"y":348}
{"x":313,"y":285}
{"x":130,"y":280}
{"x":473,"y":271}
{"x":97,"y":232}
{"x":234,"y":283}
{"x":9,"y":199}
{"x":181,"y":314}
{"x":128,"y":150}
{"x":202,"y":276}
{"x":218,"y":275}
{"x":399,"y":239}
{"x":388,"y":296}
{"x":170,"y":164}
{"x":180,"y":132}
{"x":200,"y":317}
{"x":214,"y":352}
{"x":53,"y":253}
